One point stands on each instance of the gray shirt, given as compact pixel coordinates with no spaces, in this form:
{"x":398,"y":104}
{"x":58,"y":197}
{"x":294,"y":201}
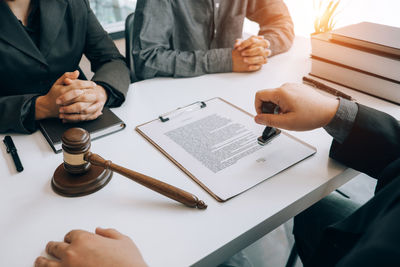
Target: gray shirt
{"x":341,"y":125}
{"x":184,"y":38}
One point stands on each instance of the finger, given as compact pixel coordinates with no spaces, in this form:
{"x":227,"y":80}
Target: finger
{"x":88,"y":96}
{"x":75,"y":108}
{"x":256,"y":44}
{"x":94,"y":116}
{"x":92,"y":109}
{"x":247,"y":43}
{"x":267,"y":95}
{"x":237,"y":43}
{"x":87,"y":117}
{"x":43,"y":262}
{"x":283,"y":120}
{"x":263,"y":42}
{"x":255,"y":51}
{"x":253,"y":42}
{"x":72,"y":75}
{"x":254,"y":60}
{"x":80,"y":84}
{"x":74,"y":234}
{"x":110,"y":233}
{"x":89,"y":110}
{"x":67,"y":97}
{"x":75,"y":117}
{"x":68,"y":81}
{"x":254,"y":67}
{"x":56,"y":249}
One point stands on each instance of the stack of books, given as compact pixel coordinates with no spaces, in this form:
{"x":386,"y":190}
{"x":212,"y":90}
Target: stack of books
{"x":363,"y":56}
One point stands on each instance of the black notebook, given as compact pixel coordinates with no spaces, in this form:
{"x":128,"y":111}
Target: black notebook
{"x":106,"y":124}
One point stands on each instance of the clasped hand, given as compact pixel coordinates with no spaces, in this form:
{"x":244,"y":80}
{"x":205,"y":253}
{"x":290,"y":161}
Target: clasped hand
{"x":249,"y":55}
{"x":72,"y":100}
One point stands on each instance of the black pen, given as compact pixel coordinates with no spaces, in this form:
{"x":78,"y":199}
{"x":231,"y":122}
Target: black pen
{"x":13,"y":151}
{"x":326,"y":88}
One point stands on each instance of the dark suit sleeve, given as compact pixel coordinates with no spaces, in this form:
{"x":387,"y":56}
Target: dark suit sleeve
{"x":17,"y":113}
{"x":373,"y":143}
{"x":153,"y":55}
{"x":275,"y":23}
{"x":106,"y":62}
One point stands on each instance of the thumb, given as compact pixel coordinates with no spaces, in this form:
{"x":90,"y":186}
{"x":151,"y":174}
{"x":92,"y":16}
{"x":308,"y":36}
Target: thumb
{"x":110,"y":233}
{"x":237,"y":43}
{"x":72,"y":75}
{"x":69,"y":76}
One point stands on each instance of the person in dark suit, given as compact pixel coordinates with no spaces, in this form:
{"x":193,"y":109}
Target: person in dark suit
{"x":41,"y":45}
{"x":337,"y":231}
{"x":330,"y":233}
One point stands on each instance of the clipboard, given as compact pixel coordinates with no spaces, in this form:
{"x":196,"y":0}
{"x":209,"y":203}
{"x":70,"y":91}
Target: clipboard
{"x":215,"y":143}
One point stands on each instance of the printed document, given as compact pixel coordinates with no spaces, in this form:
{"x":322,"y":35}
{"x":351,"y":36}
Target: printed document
{"x":217,"y":146}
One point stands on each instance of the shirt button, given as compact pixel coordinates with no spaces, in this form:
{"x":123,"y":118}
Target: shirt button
{"x":215,"y":32}
{"x":217,"y":5}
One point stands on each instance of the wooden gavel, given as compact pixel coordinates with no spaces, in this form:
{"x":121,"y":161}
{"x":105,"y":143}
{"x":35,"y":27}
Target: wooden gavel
{"x":78,"y":161}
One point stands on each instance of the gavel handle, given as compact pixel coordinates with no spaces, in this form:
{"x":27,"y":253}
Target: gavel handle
{"x":165,"y":189}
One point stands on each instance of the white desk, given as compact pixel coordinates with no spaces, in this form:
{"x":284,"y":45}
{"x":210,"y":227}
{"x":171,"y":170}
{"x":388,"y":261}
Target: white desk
{"x":167,"y":233}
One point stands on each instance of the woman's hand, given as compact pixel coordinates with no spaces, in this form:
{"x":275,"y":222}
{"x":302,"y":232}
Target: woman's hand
{"x":301,"y":107}
{"x":72,"y":100}
{"x":81,"y":102}
{"x":46,"y":106}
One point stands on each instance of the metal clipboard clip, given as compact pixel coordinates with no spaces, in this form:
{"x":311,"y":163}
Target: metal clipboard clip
{"x":194,"y":106}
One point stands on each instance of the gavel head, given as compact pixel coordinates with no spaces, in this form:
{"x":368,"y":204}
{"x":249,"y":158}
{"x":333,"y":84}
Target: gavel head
{"x":75,"y":144}
{"x":75,"y":176}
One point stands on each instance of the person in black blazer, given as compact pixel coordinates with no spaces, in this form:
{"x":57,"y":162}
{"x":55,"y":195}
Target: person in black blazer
{"x":365,"y":139}
{"x":41,"y":45}
{"x":337,"y":231}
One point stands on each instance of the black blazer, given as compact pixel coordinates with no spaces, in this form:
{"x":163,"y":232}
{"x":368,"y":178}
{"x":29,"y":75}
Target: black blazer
{"x":68,"y":29}
{"x":371,"y":235}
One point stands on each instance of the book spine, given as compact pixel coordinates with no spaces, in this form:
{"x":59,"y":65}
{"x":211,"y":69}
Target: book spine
{"x":46,"y":135}
{"x":363,"y":60}
{"x":360,"y":81}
